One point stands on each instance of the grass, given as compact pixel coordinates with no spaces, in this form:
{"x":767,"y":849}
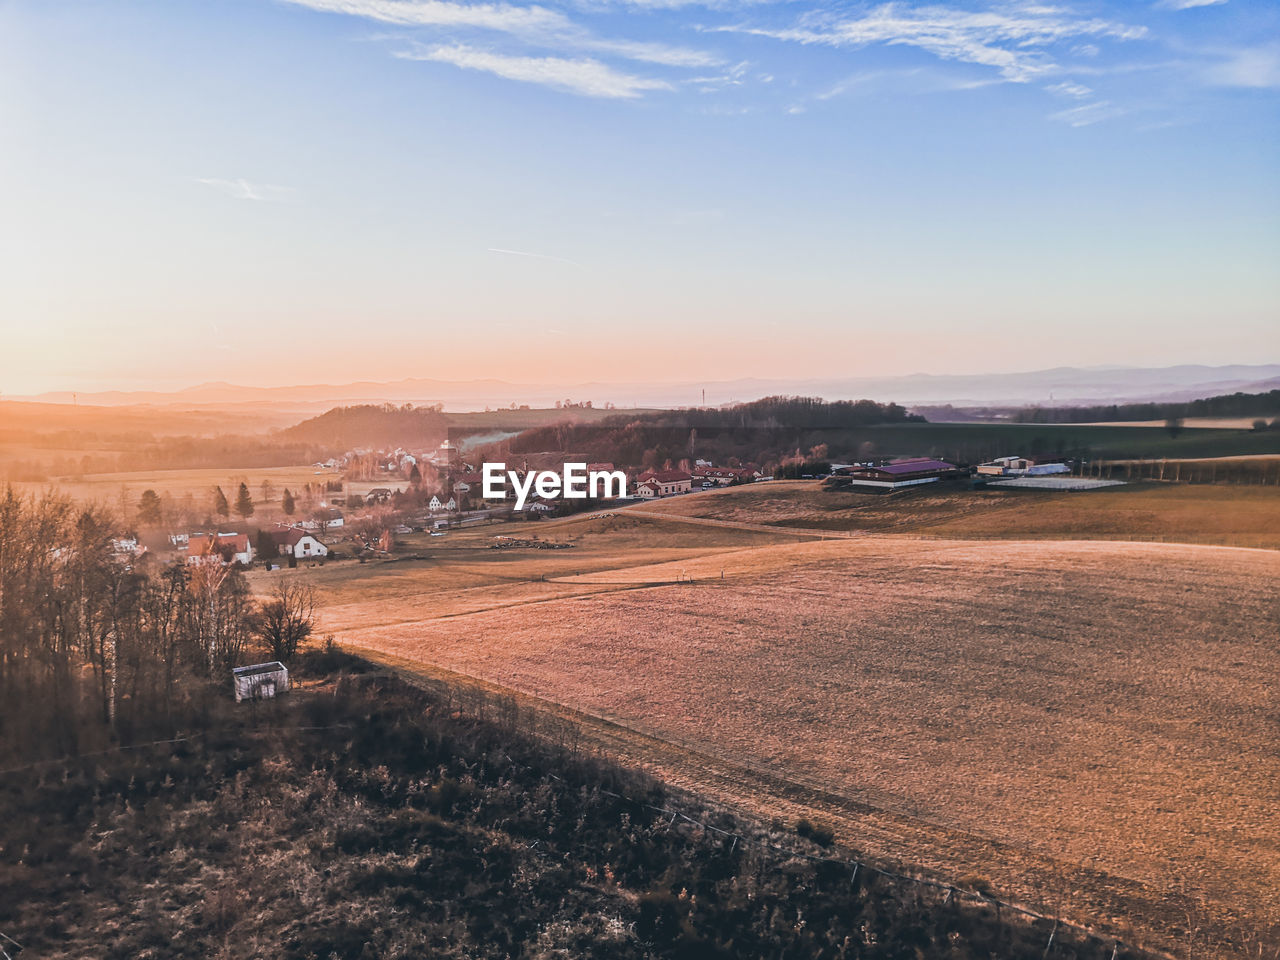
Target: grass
{"x":1083,"y":723}
{"x":360,"y":817}
{"x":1232,"y":515}
{"x":1096,"y":712}
{"x":974,"y":442}
{"x":106,"y":487}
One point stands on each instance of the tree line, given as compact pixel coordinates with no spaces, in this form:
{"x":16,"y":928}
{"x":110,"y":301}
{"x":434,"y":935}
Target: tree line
{"x":1263,"y":405}
{"x":96,"y":647}
{"x":768,"y":430}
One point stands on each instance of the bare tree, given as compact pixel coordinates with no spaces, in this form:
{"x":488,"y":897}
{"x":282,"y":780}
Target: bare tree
{"x":286,"y":620}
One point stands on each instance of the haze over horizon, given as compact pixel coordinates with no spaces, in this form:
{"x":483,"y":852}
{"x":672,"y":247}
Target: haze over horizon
{"x":322,"y":191}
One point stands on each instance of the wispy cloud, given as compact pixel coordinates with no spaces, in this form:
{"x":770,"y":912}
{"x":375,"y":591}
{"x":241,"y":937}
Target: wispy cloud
{"x":535,"y":256}
{"x":1068,"y":88}
{"x":1186,"y":4}
{"x":1257,"y":67}
{"x":1088,"y":114}
{"x":441,"y":13}
{"x":244,"y":190}
{"x":1012,"y":41}
{"x":535,"y":25}
{"x":587,"y":77}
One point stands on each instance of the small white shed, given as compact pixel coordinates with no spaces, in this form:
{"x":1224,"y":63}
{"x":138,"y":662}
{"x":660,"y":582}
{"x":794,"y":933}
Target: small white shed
{"x":260,"y":681}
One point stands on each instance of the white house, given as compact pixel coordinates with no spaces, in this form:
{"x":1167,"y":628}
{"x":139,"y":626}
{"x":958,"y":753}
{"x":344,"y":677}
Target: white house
{"x":435,"y":504}
{"x":298,"y":544}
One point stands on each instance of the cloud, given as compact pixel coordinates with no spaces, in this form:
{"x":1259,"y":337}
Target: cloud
{"x":1012,"y":42}
{"x":536,"y":256}
{"x":441,"y":13}
{"x":1069,"y":89}
{"x":1186,"y":4}
{"x":1256,"y":67}
{"x":1088,"y":114}
{"x":244,"y":190}
{"x":589,"y":78}
{"x":533,"y":24}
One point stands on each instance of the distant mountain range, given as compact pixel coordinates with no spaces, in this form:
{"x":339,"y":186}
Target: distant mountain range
{"x":1060,"y":386}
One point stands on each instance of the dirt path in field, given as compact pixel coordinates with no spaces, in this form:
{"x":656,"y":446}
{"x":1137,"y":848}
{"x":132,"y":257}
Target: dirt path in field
{"x":897,"y":839}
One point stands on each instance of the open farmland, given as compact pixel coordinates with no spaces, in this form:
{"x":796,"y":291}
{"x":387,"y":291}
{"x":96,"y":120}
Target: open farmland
{"x":1088,"y":726}
{"x":106,"y":487}
{"x":1244,"y":515}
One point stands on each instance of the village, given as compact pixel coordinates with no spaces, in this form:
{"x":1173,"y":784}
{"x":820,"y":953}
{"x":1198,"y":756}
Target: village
{"x":367,"y":499}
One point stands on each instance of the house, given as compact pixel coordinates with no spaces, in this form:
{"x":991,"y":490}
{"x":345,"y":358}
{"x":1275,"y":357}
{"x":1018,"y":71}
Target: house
{"x":645,"y":489}
{"x":260,"y":681}
{"x":296,"y":543}
{"x":378,"y":495}
{"x":221,"y":547}
{"x":539,"y":507}
{"x":901,"y":473}
{"x":451,"y":504}
{"x":667,"y":483}
{"x":324,"y":520}
{"x":435,"y":504}
{"x":1023,"y":466}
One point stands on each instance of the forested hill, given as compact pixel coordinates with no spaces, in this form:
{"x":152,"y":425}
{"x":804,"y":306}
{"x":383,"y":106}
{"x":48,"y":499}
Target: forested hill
{"x":371,"y":425}
{"x":761,"y":430}
{"x":1262,"y":405}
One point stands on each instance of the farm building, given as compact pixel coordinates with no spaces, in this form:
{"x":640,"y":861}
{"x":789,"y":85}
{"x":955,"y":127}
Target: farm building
{"x":260,"y":681}
{"x":722,"y":476}
{"x":297,"y":543}
{"x":664,"y":483}
{"x":901,"y":473}
{"x":1023,"y":467}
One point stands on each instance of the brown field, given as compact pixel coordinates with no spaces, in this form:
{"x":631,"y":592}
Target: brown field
{"x":1231,"y":515}
{"x":106,"y":487}
{"x":1090,"y":726}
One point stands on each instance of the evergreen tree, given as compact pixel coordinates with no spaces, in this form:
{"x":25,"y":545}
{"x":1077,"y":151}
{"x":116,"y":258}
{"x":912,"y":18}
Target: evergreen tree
{"x":415,"y":476}
{"x":149,"y":507}
{"x":220,"y":503}
{"x":244,"y":502}
{"x":286,"y":503}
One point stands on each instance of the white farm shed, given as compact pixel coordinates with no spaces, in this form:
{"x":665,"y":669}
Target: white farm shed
{"x":260,"y":681}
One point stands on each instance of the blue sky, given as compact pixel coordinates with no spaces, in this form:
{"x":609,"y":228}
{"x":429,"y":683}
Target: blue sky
{"x":281,"y":191}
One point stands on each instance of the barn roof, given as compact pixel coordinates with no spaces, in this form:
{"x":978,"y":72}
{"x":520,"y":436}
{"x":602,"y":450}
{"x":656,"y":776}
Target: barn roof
{"x":919,"y":465}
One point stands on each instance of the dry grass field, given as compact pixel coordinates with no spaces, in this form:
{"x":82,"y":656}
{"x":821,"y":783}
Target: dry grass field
{"x":1232,"y":515}
{"x":1090,"y":726}
{"x":107,"y":487}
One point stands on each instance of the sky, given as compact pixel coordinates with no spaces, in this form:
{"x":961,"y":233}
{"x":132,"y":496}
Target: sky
{"x":296,"y":191}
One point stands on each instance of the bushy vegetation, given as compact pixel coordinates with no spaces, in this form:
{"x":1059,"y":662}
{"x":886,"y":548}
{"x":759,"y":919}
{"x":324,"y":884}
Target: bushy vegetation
{"x":360,"y":818}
